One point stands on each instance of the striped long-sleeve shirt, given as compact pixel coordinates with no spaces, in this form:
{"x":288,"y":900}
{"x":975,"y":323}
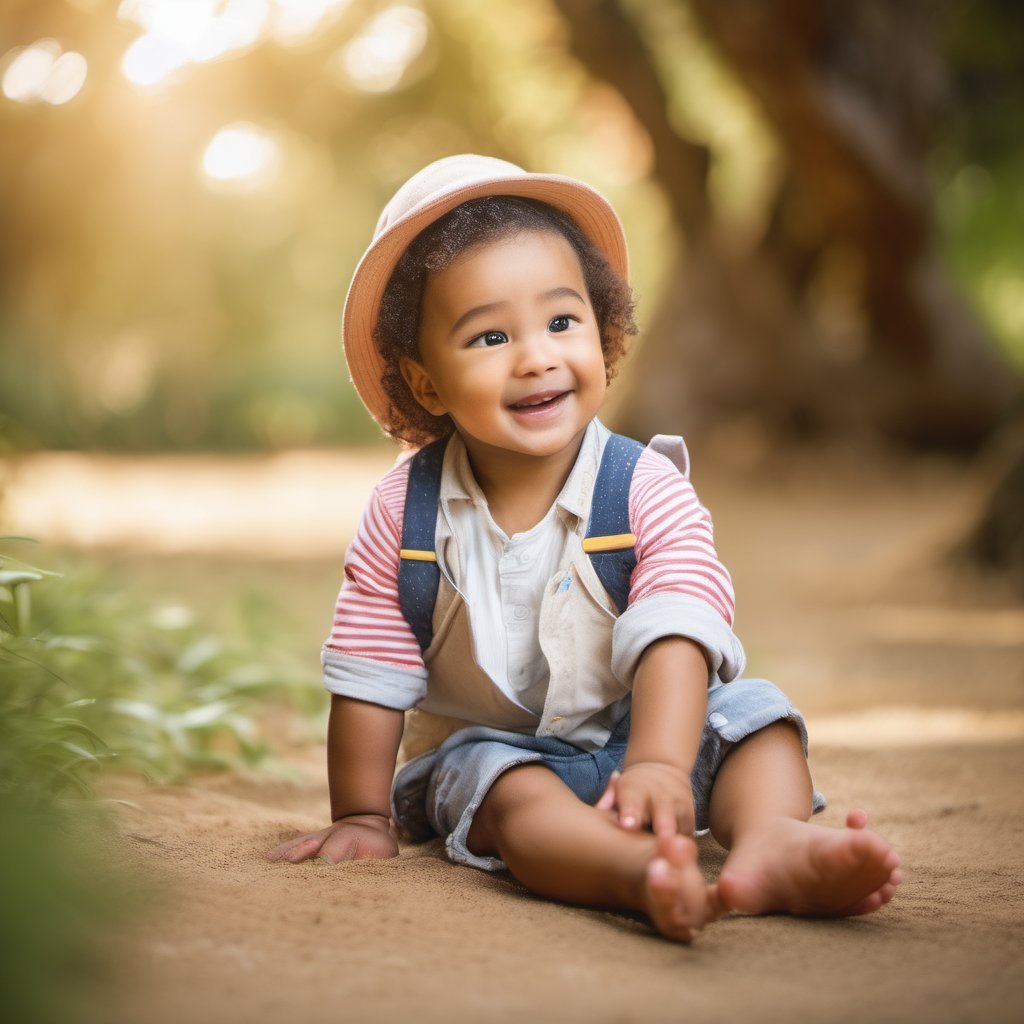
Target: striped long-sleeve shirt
{"x":674,"y":548}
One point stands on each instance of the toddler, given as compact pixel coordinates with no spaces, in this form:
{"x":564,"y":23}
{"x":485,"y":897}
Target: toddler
{"x":533,"y":608}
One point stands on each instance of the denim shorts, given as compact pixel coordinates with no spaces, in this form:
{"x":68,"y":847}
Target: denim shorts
{"x":437,"y":793}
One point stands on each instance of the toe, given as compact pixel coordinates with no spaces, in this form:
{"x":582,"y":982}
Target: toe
{"x":679,"y":851}
{"x":857,"y":818}
{"x":659,"y":874}
{"x":868,"y":905}
{"x":677,"y":895}
{"x":886,"y":893}
{"x":738,"y":892}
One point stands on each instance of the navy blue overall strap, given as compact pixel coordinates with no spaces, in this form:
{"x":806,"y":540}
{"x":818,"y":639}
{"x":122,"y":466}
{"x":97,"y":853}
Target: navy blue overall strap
{"x":418,"y":573}
{"x":609,"y":541}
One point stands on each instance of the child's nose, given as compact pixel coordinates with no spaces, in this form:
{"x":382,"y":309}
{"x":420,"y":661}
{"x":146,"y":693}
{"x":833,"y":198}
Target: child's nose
{"x":537,"y":353}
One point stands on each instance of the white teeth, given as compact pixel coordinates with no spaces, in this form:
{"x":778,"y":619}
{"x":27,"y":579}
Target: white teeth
{"x":530,"y":405}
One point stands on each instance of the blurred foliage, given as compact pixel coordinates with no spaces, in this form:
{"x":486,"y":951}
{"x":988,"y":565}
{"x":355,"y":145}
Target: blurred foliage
{"x":94,"y":677}
{"x":57,"y":894}
{"x":91,"y":679}
{"x":979,"y":164}
{"x":147,"y":303}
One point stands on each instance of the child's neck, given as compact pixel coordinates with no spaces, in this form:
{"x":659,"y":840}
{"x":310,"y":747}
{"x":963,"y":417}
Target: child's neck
{"x":520,"y":488}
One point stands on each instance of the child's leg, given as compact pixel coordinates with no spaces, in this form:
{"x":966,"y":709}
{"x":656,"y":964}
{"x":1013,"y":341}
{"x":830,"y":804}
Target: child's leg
{"x":780,"y":861}
{"x":564,"y":849}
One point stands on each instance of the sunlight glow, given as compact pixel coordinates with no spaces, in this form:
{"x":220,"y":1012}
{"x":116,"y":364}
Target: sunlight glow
{"x":177,"y":33}
{"x":378,"y":57}
{"x":181,"y":32}
{"x":295,"y":20}
{"x":1002,"y":297}
{"x":240,"y":153}
{"x":43,"y":72}
{"x":151,"y":59}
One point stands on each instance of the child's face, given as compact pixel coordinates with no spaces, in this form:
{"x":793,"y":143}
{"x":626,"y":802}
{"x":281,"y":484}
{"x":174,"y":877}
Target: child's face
{"x":510,"y":348}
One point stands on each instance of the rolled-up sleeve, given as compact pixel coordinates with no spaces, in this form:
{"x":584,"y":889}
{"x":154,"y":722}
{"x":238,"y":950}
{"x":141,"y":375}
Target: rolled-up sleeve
{"x":675,"y":615}
{"x":371,"y":653}
{"x":679,"y":586}
{"x":378,"y":682}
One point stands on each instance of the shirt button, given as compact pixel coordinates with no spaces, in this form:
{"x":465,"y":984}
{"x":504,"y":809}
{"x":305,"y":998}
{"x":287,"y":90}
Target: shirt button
{"x":524,"y":558}
{"x":520,"y":612}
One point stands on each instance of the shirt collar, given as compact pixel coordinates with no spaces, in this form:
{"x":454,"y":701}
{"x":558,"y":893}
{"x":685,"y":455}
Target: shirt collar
{"x":459,"y":484}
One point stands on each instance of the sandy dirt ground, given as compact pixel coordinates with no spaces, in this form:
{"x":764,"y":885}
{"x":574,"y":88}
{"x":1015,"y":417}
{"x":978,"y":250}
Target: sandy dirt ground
{"x":911,"y":673}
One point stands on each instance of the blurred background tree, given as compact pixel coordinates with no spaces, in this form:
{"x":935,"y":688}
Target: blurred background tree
{"x":831,"y":310}
{"x":822,"y":199}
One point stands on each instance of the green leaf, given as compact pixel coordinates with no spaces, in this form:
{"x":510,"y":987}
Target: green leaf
{"x":200,"y":653}
{"x":12,"y":577}
{"x":137,"y":709}
{"x":204,"y":716}
{"x":22,"y":607}
{"x":76,"y":726}
{"x":81,"y":754}
{"x":73,"y":643}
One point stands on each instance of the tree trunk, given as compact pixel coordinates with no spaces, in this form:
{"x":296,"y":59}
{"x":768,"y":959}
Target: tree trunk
{"x":842,"y":320}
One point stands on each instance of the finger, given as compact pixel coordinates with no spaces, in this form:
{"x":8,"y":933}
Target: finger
{"x":304,"y":850}
{"x":339,"y":846}
{"x":297,"y":850}
{"x":610,"y":795}
{"x":664,"y":819}
{"x":278,"y":852}
{"x":631,"y":811}
{"x":686,"y":820}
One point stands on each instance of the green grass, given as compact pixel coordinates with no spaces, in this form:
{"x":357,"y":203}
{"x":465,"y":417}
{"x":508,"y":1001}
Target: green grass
{"x":95,"y":677}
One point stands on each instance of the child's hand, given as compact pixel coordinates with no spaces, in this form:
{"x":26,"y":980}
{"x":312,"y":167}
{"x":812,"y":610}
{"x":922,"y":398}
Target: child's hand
{"x":650,"y":794}
{"x":357,"y":837}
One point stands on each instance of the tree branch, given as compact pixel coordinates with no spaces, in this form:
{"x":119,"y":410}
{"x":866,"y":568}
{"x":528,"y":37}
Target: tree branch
{"x":608,"y":44}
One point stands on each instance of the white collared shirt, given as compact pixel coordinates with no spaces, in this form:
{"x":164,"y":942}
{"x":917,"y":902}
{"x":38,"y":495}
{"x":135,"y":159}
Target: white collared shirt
{"x":679,"y":588}
{"x":502,"y":578}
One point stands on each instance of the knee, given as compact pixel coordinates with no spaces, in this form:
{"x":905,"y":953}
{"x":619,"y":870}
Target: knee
{"x":513,"y":790}
{"x":520,"y":786}
{"x":783,"y":734}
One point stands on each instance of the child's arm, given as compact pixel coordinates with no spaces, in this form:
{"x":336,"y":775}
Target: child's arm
{"x":669,"y":707}
{"x":362,"y":747}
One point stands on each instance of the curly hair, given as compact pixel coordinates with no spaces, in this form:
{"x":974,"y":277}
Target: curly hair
{"x":437,"y":247}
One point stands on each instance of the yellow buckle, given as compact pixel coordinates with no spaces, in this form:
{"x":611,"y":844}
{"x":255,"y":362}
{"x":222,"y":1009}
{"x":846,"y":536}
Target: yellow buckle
{"x":417,"y":556}
{"x":614,"y":542}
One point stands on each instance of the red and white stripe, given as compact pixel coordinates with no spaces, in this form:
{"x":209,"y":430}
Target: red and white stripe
{"x":675,"y":548}
{"x":368,"y":621}
{"x":675,"y":554}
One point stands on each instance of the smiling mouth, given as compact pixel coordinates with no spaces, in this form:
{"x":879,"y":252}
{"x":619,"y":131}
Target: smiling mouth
{"x":539,"y":401}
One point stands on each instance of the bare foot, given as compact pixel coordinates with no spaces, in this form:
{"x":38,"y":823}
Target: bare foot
{"x":802,"y":868}
{"x":675,"y":896}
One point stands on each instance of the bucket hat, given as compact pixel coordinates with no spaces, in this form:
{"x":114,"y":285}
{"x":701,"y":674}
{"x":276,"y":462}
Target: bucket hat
{"x":424,"y":198}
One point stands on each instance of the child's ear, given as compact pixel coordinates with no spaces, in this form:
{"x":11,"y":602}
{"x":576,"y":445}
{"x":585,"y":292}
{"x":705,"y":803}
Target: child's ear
{"x":421,"y":386}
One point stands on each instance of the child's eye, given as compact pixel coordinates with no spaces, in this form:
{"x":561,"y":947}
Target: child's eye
{"x":488,"y":339}
{"x":561,"y":323}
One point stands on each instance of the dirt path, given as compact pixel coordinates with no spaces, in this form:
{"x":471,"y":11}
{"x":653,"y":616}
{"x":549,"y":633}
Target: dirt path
{"x":912,"y":676}
{"x":235,"y":938}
